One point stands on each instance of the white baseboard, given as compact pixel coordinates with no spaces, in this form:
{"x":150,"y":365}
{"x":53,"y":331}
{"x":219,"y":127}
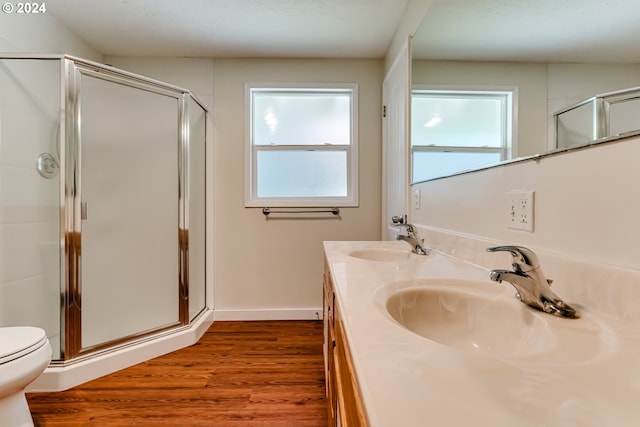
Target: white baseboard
{"x":268,"y":314}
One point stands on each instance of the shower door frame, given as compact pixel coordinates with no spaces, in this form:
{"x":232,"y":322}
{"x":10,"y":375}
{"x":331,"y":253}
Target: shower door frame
{"x":71,"y":206}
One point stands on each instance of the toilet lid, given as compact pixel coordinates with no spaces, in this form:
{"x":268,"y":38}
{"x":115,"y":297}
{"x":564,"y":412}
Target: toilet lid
{"x":16,"y":341}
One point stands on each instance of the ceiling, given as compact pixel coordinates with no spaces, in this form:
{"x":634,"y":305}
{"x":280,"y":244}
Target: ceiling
{"x":531,"y":30}
{"x":234,"y":28}
{"x":501,"y":30}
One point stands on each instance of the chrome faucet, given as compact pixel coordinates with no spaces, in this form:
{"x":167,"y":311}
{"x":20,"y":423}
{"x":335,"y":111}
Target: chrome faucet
{"x":531,"y":285}
{"x":411,"y":237}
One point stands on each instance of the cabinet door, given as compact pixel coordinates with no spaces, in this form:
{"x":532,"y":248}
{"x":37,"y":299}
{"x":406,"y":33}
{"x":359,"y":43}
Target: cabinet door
{"x":349,"y":402}
{"x":329,"y":347}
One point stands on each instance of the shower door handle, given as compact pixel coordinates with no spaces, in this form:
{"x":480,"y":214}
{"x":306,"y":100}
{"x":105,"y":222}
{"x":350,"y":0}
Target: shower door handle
{"x":83,"y":211}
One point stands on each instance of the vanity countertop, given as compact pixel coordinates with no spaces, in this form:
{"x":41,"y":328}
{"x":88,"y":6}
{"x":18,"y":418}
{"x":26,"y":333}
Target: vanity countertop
{"x":588,"y":376}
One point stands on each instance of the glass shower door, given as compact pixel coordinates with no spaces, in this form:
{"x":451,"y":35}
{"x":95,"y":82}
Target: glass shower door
{"x":129,"y":155}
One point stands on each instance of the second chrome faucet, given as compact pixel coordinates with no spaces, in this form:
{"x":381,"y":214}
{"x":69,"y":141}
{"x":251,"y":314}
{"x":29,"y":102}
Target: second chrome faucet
{"x":411,"y":237}
{"x":531,"y":285}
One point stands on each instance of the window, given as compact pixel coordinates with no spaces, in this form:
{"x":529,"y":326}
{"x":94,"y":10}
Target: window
{"x":301,"y":145}
{"x":455,"y":130}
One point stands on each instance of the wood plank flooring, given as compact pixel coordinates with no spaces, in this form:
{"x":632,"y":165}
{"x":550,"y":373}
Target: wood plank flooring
{"x":240,"y":374}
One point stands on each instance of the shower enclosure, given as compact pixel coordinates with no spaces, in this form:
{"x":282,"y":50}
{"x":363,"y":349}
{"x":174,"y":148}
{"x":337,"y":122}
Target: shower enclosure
{"x":604,"y":116}
{"x":102,"y":204}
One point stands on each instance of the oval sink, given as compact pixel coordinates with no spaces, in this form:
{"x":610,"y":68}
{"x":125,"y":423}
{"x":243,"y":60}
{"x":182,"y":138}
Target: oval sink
{"x":386,"y":255}
{"x":472,"y":322}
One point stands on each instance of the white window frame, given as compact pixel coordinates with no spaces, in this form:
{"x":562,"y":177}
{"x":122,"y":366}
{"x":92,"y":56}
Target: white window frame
{"x":508,"y":149}
{"x":250,"y":192}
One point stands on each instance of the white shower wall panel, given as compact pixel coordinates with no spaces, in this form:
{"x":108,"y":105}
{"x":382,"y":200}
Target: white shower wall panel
{"x":25,"y":254}
{"x":30,"y":105}
{"x":29,"y":204}
{"x":29,"y":275}
{"x":26,"y":196}
{"x":33,"y":297}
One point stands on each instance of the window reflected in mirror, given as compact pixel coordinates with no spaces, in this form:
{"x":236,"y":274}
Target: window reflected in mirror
{"x":457,"y":130}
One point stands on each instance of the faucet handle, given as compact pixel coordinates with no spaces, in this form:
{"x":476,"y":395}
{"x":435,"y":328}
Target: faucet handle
{"x":524,"y":259}
{"x":398,"y":219}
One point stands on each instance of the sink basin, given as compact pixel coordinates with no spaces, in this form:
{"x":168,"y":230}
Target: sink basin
{"x":475,"y":322}
{"x":386,"y":255}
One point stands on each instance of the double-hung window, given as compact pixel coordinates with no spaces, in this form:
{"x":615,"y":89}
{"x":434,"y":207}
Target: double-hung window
{"x":458,"y":130}
{"x":301,"y":145}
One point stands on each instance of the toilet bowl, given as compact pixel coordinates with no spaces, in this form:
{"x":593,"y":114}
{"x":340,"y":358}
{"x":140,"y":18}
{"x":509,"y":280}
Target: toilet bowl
{"x":25,"y":352}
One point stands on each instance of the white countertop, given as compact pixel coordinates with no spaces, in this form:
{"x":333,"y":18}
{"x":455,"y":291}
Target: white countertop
{"x":590,"y":377}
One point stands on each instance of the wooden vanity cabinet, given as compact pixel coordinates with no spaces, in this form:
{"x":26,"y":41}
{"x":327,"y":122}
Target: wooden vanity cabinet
{"x":344,"y":403}
{"x":329,"y":347}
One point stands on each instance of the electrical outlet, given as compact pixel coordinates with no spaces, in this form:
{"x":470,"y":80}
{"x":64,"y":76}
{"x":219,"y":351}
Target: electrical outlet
{"x":416,"y":198}
{"x":519,"y":210}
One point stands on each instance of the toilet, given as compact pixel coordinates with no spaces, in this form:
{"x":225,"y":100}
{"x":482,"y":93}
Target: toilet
{"x":25,"y":352}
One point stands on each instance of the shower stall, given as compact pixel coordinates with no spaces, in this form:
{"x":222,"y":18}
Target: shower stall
{"x":605,"y":116}
{"x":102,"y":205}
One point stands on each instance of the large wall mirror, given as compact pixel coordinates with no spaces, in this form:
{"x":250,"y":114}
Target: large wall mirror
{"x":488,"y":76}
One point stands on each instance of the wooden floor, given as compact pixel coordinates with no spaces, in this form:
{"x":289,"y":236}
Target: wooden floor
{"x":239,"y":374}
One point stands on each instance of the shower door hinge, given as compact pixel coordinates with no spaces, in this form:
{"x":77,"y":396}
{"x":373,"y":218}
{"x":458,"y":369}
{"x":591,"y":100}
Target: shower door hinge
{"x":384,"y":111}
{"x":83,"y":211}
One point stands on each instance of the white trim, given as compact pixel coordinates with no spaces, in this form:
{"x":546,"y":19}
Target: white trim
{"x":250,"y":186}
{"x":512,"y":125}
{"x":508,"y":151}
{"x":268,"y":314}
{"x":396,"y":139}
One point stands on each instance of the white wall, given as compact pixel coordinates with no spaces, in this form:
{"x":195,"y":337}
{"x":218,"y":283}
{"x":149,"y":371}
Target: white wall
{"x":586,"y":203}
{"x":273,"y":268}
{"x":570,"y":83}
{"x":41,"y":33}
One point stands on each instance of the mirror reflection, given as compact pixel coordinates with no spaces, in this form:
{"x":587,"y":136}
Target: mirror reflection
{"x":541,"y":57}
{"x":611,"y":115}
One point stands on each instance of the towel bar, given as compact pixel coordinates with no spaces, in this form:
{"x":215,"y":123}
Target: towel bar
{"x":267,"y":211}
